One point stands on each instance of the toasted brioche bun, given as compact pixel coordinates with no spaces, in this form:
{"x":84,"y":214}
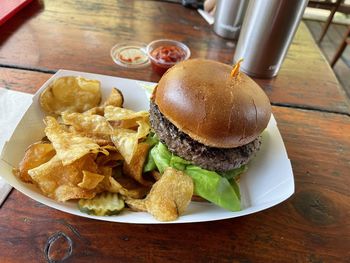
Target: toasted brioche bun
{"x":203,"y":100}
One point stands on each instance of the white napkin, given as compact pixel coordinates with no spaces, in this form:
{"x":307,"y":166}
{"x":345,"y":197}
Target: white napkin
{"x":13,"y":105}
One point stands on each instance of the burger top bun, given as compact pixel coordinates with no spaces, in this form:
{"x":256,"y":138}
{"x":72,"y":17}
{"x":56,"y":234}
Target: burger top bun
{"x":203,"y":100}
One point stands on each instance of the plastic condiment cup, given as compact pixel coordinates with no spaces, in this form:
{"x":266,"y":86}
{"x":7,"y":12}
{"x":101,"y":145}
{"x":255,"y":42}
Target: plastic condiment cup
{"x":165,"y":53}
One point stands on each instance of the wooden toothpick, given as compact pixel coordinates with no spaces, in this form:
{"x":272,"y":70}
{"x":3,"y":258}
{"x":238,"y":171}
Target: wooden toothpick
{"x":236,"y":67}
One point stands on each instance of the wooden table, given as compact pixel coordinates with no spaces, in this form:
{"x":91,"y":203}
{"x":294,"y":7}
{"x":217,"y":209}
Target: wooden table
{"x":311,"y":109}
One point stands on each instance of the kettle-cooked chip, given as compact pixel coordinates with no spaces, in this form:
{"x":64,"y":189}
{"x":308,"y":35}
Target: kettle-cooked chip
{"x":101,"y":140}
{"x":111,"y":160}
{"x":92,"y":148}
{"x":155,"y":175}
{"x":90,"y":180}
{"x":168,"y":198}
{"x":126,"y":140}
{"x":143,"y":129}
{"x":115,"y":98}
{"x":95,"y":111}
{"x":135,"y":168}
{"x":60,"y":182}
{"x":87,"y":124}
{"x":121,"y":114}
{"x":125,"y":186}
{"x":69,"y":146}
{"x":36,"y":154}
{"x":128,"y":187}
{"x":70,"y":93}
{"x":137,"y":205}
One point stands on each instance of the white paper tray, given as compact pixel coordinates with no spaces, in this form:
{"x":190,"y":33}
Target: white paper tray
{"x":268,"y":181}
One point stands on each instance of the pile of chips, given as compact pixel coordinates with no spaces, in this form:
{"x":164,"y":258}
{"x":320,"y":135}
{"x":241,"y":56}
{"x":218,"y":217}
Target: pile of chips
{"x":91,"y":148}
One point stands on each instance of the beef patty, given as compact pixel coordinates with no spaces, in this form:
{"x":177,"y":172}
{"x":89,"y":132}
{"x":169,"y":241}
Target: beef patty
{"x":210,"y":158}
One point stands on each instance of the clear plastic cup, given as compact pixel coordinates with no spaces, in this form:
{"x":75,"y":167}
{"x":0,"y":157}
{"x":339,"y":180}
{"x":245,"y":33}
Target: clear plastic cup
{"x":165,"y":53}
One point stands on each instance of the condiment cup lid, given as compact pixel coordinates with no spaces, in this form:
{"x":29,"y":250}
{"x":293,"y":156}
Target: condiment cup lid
{"x":130,"y":54}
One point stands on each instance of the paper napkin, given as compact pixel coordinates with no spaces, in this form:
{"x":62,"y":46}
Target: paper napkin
{"x":13,"y":105}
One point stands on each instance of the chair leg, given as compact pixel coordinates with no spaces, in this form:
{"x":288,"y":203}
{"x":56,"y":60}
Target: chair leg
{"x":338,"y":53}
{"x":341,"y":48}
{"x":329,"y":20}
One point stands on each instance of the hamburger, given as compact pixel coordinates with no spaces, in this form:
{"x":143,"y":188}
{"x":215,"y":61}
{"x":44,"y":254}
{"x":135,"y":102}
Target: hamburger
{"x":209,"y":122}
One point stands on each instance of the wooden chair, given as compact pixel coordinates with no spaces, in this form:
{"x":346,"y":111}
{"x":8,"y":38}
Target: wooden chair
{"x":341,"y":48}
{"x":333,"y":7}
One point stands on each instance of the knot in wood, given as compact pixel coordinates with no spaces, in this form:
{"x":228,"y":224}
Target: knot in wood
{"x":58,"y":247}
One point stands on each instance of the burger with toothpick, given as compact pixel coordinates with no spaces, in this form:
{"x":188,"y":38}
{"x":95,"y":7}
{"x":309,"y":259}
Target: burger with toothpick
{"x":207,"y":119}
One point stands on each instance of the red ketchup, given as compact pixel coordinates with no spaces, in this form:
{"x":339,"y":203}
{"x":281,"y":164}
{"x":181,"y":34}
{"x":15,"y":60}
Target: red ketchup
{"x":164,"y":57}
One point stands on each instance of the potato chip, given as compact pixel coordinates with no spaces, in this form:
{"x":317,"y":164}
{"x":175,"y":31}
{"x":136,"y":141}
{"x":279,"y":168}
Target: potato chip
{"x":94,"y":148}
{"x":60,"y":182}
{"x":115,"y":187}
{"x":87,"y":124}
{"x":127,"y":188}
{"x":69,"y":146}
{"x":106,"y":171}
{"x":126,"y":140}
{"x":101,"y":141}
{"x":115,"y":98}
{"x":110,"y":148}
{"x":135,"y":168}
{"x":64,"y":193}
{"x":155,"y":175}
{"x":36,"y":154}
{"x":70,"y":93}
{"x":143,"y":129}
{"x":90,"y":180}
{"x":95,"y":111}
{"x":111,"y":160}
{"x":137,"y":205}
{"x":121,"y":114}
{"x":127,"y":119}
{"x":168,"y":198}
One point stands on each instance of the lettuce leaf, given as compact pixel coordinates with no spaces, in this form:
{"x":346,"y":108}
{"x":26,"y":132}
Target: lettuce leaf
{"x":215,"y":188}
{"x":152,"y":139}
{"x":234,"y":173}
{"x":161,"y":156}
{"x":220,"y":189}
{"x":150,"y":164}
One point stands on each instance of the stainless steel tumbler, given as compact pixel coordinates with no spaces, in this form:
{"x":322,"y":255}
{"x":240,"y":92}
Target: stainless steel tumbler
{"x":229,"y":16}
{"x":267,"y":32}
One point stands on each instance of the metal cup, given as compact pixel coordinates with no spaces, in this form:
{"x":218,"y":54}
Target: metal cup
{"x":229,"y":16}
{"x":267,"y":32}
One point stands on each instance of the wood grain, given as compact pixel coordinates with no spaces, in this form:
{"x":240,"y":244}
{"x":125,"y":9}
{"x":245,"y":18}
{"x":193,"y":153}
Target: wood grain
{"x":312,"y":226}
{"x":22,"y":80}
{"x":309,"y":226}
{"x":78,"y":35}
{"x":305,"y":78}
{"x":329,"y":46}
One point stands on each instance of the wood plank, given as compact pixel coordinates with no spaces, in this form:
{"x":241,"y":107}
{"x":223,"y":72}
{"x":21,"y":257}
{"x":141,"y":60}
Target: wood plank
{"x":302,"y":77}
{"x":312,"y":226}
{"x":22,"y":80}
{"x":329,"y":46}
{"x":80,"y":35}
{"x":50,"y":42}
